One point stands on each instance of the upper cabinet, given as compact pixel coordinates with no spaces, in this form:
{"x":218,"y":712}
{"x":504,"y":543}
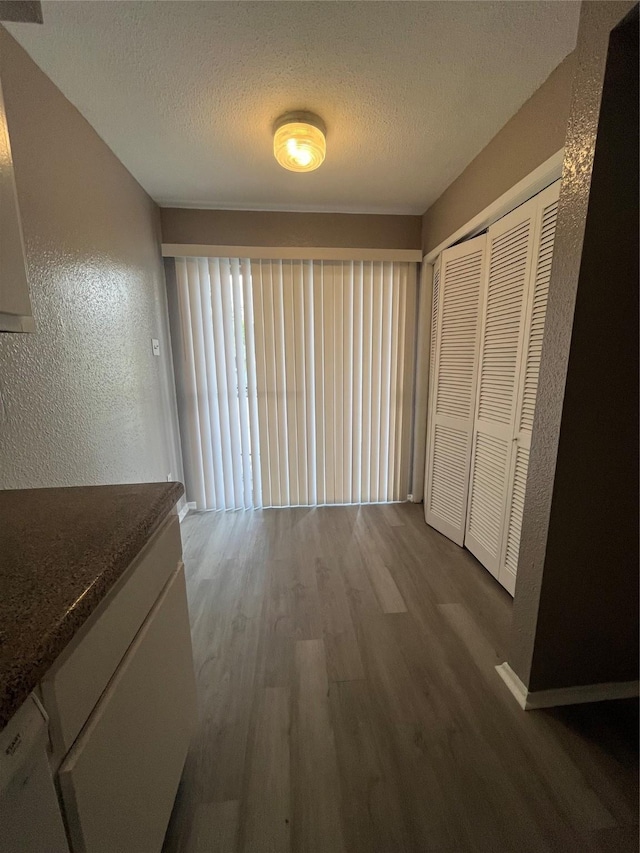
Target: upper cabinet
{"x":15,"y":304}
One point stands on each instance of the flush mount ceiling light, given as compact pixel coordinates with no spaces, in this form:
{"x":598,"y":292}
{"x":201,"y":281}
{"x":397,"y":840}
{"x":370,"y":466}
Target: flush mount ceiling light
{"x":299,"y":141}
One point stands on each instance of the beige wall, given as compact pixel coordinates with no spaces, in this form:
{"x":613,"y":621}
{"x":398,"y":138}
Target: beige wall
{"x":83,"y":401}
{"x":529,"y":138}
{"x":258,"y":228}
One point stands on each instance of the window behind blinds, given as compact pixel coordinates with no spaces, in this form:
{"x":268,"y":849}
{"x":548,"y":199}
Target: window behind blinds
{"x":298,"y":378}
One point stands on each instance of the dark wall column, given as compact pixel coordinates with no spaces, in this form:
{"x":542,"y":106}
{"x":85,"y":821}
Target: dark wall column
{"x":576,"y":605}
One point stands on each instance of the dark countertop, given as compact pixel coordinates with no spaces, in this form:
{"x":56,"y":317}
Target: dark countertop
{"x":61,"y":551}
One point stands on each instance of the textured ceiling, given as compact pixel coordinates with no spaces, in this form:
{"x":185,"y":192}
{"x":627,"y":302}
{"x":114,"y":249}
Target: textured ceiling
{"x":185,"y":93}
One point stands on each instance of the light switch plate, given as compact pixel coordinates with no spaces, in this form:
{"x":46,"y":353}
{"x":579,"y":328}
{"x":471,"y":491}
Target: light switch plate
{"x":155,"y":346}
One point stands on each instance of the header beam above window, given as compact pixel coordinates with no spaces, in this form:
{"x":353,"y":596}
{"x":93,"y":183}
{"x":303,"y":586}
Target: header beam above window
{"x":289,"y":253}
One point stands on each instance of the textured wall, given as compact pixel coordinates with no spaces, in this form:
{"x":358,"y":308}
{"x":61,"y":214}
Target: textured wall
{"x":534,"y":133}
{"x":270,"y":228}
{"x":575,"y":617}
{"x":83,"y":401}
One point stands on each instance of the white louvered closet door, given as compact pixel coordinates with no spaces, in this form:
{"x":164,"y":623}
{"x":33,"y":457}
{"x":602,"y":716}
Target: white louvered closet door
{"x":536,"y":309}
{"x":509,"y":264}
{"x":454,"y":359}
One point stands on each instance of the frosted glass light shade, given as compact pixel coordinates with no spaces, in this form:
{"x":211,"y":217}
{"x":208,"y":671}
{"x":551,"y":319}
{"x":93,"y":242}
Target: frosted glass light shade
{"x":299,"y":142}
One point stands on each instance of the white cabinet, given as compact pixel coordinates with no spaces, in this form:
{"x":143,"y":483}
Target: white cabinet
{"x":15,"y":304}
{"x":79,"y":676}
{"x":120,"y":778}
{"x":111,"y":720}
{"x":30,"y":819}
{"x":121,"y":702}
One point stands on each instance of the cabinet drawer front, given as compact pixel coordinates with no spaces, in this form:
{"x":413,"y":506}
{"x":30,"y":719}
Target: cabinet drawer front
{"x":75,"y":682}
{"x":119,"y":781}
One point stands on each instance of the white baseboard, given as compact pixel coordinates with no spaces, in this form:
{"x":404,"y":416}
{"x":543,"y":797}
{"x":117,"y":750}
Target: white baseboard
{"x":185,"y":509}
{"x":514,"y":684}
{"x":531,"y":700}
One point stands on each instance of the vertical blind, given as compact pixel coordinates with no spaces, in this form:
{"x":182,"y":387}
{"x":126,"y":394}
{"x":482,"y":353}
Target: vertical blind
{"x":219,"y":413}
{"x":298,"y":380}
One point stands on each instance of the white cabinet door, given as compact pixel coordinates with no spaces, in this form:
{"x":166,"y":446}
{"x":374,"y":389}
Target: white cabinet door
{"x":509,"y":263}
{"x":73,"y":685}
{"x":457,"y":300}
{"x":536,"y":309}
{"x":30,"y":819}
{"x":119,"y":780}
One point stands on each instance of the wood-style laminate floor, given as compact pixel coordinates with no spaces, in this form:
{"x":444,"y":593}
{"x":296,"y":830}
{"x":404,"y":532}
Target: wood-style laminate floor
{"x":349,"y":702}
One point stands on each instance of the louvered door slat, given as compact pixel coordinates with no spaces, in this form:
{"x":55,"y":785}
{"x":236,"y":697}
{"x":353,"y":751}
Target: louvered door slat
{"x":539,"y":310}
{"x":454,"y":360}
{"x":514,"y":519}
{"x":486,"y":504}
{"x":458,"y":341}
{"x":509,"y":264}
{"x":449,"y":471}
{"x":545,"y":228}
